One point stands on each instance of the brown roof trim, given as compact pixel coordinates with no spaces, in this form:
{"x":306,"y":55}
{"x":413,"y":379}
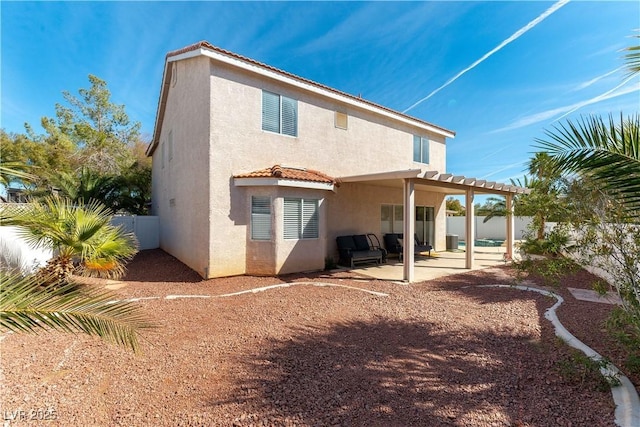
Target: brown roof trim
{"x":206,"y":45}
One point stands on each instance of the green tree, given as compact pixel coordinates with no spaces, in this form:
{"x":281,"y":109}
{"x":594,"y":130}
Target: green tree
{"x":603,"y":156}
{"x":632,"y":58}
{"x":90,"y":149}
{"x":84,"y":185}
{"x":25,"y":306}
{"x":495,"y":206}
{"x":132,"y":191}
{"x":546,"y":201}
{"x":100,"y":129}
{"x":455,"y":206}
{"x":34,"y":155}
{"x":11,"y":170}
{"x":81,"y":235}
{"x":608,"y":240}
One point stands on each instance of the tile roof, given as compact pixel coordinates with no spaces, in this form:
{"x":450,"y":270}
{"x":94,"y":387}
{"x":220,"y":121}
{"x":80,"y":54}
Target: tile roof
{"x":283,"y":172}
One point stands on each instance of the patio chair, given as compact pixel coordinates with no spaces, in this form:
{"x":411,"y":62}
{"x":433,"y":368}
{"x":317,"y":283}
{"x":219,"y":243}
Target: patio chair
{"x":393,"y":242}
{"x":358,"y":248}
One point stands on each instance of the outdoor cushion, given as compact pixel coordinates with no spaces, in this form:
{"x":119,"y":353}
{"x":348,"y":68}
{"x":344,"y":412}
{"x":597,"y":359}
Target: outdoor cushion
{"x":362,"y":244}
{"x":349,"y":250}
{"x":346,"y":243}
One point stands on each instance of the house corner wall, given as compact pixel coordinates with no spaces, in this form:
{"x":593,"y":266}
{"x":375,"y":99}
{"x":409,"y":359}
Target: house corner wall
{"x":180,"y":175}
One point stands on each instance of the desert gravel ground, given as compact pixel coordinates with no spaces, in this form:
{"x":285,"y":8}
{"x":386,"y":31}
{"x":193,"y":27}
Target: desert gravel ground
{"x":438,"y":353}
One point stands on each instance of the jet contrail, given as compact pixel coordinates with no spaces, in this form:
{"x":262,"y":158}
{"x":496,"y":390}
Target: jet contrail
{"x":513,"y":37}
{"x":595,"y":99}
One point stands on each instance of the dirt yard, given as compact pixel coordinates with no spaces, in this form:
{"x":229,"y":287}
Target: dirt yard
{"x":439,"y":353}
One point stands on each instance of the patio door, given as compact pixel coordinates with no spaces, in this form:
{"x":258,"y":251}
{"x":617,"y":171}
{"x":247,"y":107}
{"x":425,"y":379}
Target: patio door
{"x":392,"y":218}
{"x":425,"y":224}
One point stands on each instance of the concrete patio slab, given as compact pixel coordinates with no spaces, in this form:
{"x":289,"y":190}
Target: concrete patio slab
{"x":429,"y":268}
{"x":593,"y":296}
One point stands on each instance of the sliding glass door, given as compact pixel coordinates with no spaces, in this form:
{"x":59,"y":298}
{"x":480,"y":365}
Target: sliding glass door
{"x":425,"y":224}
{"x":391,"y":220}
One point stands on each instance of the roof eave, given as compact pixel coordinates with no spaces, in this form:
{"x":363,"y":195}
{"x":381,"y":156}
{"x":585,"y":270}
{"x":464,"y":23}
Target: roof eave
{"x":282,"y":182}
{"x":205,"y":49}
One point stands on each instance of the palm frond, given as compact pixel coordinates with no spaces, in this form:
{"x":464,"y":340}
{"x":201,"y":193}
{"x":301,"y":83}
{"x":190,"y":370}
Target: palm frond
{"x":608,"y":153}
{"x":18,"y":170}
{"x":27,"y":307}
{"x":75,"y":230}
{"x":633,"y":58}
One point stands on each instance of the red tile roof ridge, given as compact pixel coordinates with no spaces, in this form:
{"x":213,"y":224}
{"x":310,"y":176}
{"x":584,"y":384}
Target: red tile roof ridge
{"x":286,"y":172}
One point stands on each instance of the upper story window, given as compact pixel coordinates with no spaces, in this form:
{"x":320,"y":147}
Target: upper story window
{"x":420,"y":149}
{"x":279,"y":114}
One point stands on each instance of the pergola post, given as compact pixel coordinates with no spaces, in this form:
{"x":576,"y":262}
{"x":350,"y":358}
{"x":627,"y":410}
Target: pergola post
{"x":470,"y":228}
{"x":510,"y":226}
{"x":408,"y":230}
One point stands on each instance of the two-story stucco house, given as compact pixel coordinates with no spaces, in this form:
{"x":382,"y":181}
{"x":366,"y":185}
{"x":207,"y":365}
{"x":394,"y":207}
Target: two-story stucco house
{"x":257,"y":171}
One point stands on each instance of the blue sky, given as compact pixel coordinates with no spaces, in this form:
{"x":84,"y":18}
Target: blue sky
{"x":496,"y":73}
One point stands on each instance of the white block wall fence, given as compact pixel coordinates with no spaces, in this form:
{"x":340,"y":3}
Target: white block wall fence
{"x":495,"y":228}
{"x":146,"y":229}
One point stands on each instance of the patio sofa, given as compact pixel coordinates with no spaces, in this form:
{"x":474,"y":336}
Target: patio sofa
{"x":393,"y":245}
{"x":359,"y":248}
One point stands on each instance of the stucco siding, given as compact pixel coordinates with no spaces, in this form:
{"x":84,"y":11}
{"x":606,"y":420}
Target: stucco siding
{"x":370,"y":144}
{"x":214,"y":116}
{"x":355,"y":209}
{"x":181,"y":167}
{"x":280,"y":255}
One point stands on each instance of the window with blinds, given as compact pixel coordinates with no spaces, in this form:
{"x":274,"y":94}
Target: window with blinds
{"x":279,"y":114}
{"x":301,"y":218}
{"x":420,"y":149}
{"x":260,"y":218}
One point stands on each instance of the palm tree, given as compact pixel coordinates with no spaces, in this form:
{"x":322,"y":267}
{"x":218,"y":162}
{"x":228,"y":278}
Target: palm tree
{"x":544,"y":202}
{"x":498,"y":207}
{"x":27,"y":307}
{"x":81,"y":235}
{"x":84,"y":185}
{"x":606,"y":152}
{"x":10,"y":170}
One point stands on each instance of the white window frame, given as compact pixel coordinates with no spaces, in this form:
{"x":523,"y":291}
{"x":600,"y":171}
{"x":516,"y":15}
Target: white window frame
{"x":261,"y":228}
{"x":422,"y":144}
{"x":284,"y":103}
{"x":301,"y":218}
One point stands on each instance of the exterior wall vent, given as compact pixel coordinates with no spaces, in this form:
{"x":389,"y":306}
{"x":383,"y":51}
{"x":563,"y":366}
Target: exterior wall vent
{"x":341,"y":120}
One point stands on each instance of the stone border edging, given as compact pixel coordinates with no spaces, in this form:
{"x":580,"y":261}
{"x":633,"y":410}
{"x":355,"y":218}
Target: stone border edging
{"x":256,"y":290}
{"x":625,"y":396}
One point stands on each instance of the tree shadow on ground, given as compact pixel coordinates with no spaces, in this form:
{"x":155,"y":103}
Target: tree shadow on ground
{"x":145,"y":267}
{"x":385,"y":373}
